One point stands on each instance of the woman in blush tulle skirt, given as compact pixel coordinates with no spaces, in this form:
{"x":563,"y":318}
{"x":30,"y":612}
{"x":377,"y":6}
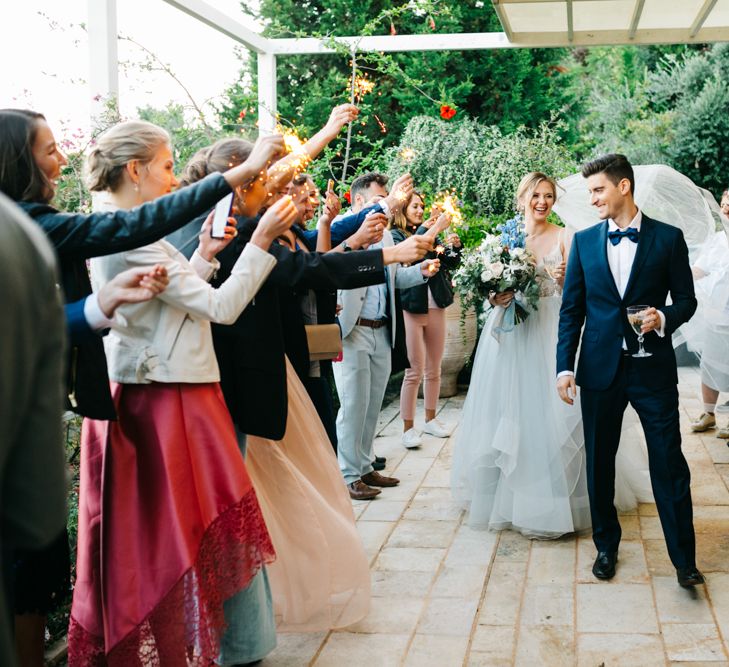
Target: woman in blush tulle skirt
{"x":320,"y":579}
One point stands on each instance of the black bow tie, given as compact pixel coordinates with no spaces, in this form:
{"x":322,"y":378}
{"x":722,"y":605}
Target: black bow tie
{"x":618,"y":235}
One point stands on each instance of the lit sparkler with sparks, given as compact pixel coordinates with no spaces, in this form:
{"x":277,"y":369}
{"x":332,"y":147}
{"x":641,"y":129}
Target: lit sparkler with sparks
{"x":294,"y":147}
{"x":362,"y":86}
{"x":448,"y":204}
{"x":407,"y":155}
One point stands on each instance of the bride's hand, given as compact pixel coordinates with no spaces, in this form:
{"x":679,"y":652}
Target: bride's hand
{"x":501,"y":299}
{"x":559,"y":272}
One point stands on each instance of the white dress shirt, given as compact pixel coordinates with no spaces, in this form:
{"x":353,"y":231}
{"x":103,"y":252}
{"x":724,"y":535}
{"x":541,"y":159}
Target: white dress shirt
{"x":620,"y":259}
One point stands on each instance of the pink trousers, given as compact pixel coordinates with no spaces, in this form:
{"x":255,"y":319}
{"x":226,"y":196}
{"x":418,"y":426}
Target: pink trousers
{"x":425,"y":337}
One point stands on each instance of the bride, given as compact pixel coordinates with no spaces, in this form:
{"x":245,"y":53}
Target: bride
{"x":519,"y":459}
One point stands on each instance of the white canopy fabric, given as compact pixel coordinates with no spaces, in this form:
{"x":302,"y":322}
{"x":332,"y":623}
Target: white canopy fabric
{"x":662,"y":193}
{"x":573,"y":22}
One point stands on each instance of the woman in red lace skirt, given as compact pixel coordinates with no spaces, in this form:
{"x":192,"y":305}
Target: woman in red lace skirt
{"x":169,"y":524}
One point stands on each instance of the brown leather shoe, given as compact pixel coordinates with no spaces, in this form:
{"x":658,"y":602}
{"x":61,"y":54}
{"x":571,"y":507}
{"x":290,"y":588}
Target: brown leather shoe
{"x":360,"y":491}
{"x":375,"y":479}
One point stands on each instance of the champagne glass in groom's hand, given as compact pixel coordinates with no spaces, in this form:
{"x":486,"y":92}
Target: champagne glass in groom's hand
{"x":635,"y":319}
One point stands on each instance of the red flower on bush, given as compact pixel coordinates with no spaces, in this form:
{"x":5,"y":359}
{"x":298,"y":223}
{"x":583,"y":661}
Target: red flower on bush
{"x":242,"y":114}
{"x":447,"y":112}
{"x":348,"y":196}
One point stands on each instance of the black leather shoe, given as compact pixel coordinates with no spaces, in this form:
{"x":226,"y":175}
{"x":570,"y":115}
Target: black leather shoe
{"x":689,"y":577}
{"x":604,"y":567}
{"x":379,"y":463}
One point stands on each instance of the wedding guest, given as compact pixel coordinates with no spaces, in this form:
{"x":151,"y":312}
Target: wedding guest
{"x":292,"y":465}
{"x":30,"y":165}
{"x":425,"y":327}
{"x":173,"y":448}
{"x":368,"y":328}
{"x":708,"y":332}
{"x":32,"y":461}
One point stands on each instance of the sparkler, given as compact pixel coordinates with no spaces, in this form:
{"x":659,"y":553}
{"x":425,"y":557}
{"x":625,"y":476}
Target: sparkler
{"x":407,"y":155}
{"x":447,"y":203}
{"x":362,"y":86}
{"x":295,"y":148}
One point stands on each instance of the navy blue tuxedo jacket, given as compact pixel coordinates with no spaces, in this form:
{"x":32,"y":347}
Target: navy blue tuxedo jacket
{"x":590,"y":297}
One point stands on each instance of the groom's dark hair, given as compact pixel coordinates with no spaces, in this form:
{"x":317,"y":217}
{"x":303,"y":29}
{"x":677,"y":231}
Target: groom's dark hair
{"x":615,"y":166}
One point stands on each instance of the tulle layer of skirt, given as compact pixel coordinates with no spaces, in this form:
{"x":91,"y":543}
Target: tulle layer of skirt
{"x":519,"y":458}
{"x":321,"y":577}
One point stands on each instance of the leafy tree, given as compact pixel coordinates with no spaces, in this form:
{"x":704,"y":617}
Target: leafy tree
{"x":508,"y":88}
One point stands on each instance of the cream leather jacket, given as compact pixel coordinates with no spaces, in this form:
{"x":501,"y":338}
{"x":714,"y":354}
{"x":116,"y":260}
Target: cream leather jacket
{"x":168,"y":339}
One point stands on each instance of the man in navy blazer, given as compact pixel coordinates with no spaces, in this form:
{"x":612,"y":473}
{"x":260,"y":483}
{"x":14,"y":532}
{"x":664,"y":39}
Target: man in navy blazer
{"x":628,"y":259}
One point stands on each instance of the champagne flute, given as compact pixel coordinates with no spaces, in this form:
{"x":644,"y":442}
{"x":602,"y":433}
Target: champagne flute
{"x":551,"y":262}
{"x":635,"y":319}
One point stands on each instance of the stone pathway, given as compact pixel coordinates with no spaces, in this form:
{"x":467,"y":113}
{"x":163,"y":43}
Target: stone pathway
{"x":444,"y":594}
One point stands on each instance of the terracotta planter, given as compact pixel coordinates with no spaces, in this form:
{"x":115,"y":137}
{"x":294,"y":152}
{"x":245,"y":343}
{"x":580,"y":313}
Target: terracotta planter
{"x":458,"y":347}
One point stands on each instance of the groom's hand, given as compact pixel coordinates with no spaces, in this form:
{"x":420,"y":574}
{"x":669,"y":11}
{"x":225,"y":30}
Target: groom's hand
{"x":651,"y":320}
{"x":567,"y":389}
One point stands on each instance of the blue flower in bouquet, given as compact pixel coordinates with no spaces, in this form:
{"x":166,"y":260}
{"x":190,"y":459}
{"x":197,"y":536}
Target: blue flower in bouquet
{"x":512,"y":233}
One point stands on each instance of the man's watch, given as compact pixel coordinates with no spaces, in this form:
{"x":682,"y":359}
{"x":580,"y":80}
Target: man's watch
{"x":346,"y":247}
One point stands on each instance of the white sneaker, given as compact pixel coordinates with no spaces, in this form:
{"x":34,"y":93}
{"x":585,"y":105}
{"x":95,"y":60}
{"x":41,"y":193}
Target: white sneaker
{"x":434,"y":427}
{"x":411,"y":439}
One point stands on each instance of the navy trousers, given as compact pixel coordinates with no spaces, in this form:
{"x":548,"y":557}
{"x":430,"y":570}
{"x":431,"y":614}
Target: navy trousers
{"x":657,"y":408}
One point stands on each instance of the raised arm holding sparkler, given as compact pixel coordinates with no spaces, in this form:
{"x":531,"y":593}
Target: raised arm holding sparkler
{"x":300,"y":153}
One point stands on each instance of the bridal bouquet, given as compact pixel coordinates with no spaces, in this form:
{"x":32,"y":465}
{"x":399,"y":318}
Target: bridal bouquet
{"x":500,"y":263}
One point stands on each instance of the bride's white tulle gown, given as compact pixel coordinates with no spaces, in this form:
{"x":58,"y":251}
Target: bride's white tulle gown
{"x":519,"y":458}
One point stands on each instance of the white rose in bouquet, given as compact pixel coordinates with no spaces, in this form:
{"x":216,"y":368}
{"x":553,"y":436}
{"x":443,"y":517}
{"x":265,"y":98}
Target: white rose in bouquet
{"x":497,"y":268}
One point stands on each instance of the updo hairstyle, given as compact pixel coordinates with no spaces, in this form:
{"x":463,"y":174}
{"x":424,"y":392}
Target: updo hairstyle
{"x":117,"y":147}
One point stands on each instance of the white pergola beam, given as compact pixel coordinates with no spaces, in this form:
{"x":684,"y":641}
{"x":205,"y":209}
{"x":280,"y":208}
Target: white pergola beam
{"x":103,"y":54}
{"x":701,"y":17}
{"x":221,"y":22}
{"x":387,"y":43}
{"x":635,"y":21}
{"x":267,"y":94}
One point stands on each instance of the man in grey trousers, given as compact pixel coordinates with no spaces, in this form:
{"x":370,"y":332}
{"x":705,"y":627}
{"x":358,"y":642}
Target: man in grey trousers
{"x":368,"y":321}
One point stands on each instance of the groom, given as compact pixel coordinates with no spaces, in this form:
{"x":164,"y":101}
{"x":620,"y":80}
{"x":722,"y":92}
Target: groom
{"x":628,"y":259}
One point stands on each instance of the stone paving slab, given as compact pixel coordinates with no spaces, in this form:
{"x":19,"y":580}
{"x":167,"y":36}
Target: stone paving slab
{"x":447,"y":595}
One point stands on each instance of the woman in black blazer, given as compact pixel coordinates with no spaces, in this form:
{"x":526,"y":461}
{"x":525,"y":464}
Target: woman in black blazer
{"x":252,"y":351}
{"x":424,"y":314}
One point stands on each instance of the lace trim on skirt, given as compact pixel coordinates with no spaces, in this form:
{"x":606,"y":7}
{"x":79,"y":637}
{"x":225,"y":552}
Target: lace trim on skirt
{"x":186,"y":626}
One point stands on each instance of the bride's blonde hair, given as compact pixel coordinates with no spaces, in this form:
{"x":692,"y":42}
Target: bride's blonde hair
{"x":529,"y":184}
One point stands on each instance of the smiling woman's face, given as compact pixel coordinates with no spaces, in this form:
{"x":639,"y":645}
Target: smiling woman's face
{"x":542,"y":201}
{"x":46,"y":153}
